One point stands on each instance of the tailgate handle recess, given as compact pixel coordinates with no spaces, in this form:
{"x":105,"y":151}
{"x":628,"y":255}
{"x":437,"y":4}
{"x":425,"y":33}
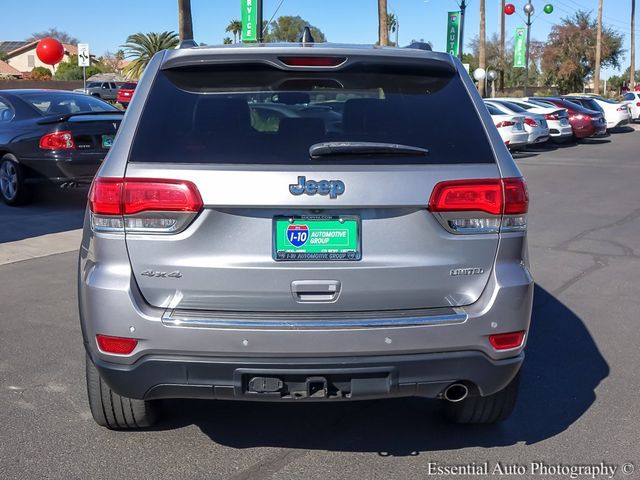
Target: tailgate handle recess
{"x":315,"y":290}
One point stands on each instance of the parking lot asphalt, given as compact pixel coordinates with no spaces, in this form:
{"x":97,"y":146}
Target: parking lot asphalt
{"x":579,"y":398}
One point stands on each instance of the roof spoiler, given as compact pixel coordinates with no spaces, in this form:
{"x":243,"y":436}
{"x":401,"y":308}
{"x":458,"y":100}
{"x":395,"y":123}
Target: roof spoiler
{"x":66,"y":116}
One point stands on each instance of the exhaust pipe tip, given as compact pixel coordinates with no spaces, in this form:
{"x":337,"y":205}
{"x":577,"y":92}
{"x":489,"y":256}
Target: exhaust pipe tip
{"x":456,"y":392}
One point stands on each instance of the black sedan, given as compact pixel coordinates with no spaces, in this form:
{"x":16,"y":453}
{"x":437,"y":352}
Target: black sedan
{"x":51,"y":135}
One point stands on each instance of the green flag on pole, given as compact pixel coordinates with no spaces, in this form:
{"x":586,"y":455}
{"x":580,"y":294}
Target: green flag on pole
{"x":453,"y":37}
{"x":520,"y":49}
{"x":249,"y":13}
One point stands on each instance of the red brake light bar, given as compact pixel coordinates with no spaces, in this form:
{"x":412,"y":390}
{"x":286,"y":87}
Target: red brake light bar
{"x":313,"y":61}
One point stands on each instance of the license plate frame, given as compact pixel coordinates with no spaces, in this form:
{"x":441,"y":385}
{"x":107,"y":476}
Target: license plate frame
{"x":107,"y":141}
{"x":285,"y":251}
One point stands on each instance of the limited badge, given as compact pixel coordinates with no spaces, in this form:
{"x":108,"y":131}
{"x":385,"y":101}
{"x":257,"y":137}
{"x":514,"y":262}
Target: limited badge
{"x":297,"y":235}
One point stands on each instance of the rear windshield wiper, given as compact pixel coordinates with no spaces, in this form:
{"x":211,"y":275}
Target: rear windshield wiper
{"x":328,"y":149}
{"x":66,"y":116}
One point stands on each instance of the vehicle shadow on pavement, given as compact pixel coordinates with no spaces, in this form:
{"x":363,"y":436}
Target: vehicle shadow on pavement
{"x":52,"y":210}
{"x":561,"y":372}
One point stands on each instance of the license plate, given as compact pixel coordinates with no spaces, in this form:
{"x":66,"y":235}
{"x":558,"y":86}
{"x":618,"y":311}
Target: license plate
{"x":107,"y":141}
{"x":312,"y":238}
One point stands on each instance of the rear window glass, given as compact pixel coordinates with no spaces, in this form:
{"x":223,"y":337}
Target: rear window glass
{"x":129,"y":86}
{"x":256,"y":114}
{"x":64,"y":103}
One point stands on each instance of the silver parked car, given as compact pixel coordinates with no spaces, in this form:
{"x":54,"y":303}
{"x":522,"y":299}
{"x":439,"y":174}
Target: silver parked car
{"x":229,"y":257}
{"x":103,"y":90}
{"x":534,"y":123}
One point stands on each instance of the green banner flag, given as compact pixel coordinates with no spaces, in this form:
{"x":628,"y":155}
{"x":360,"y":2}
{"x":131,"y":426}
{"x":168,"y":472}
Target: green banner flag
{"x":520,"y":51}
{"x":249,"y":14}
{"x":453,"y":37}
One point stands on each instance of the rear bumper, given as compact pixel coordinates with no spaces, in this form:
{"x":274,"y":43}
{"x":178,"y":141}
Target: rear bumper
{"x":80,"y":167}
{"x":347,"y":378}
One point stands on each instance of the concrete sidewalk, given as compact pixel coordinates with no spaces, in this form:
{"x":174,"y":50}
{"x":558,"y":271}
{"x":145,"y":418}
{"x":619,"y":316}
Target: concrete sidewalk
{"x":41,"y":246}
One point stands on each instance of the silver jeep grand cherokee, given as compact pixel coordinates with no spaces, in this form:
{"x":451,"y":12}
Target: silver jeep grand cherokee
{"x":318,"y":223}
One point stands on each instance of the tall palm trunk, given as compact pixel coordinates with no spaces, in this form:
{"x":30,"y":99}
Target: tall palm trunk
{"x":185,"y":23}
{"x":482,"y":60}
{"x":596,"y":75}
{"x":502,"y":35}
{"x":632,"y":71}
{"x":383,"y":29}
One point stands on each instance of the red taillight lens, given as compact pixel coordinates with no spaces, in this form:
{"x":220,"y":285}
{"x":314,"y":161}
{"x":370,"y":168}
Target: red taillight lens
{"x":467,"y":195}
{"x":551,"y":116}
{"x":313,"y":61}
{"x":506,"y":341}
{"x":117,"y":345}
{"x":516,"y":196}
{"x":110,"y":196}
{"x":506,"y":123}
{"x":57,"y":141}
{"x":531,"y":122}
{"x":105,"y":196}
{"x":160,"y":195}
{"x":638,"y":104}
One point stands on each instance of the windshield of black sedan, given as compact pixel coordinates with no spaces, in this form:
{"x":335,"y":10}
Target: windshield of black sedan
{"x":64,"y":103}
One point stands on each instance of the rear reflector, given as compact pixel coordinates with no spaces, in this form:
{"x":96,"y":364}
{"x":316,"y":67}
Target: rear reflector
{"x":507,"y":341}
{"x":117,"y":345}
{"x":57,"y":141}
{"x":313,"y":61}
{"x":116,"y":196}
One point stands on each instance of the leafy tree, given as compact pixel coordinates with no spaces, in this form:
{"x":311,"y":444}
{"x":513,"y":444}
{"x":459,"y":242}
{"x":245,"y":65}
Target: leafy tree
{"x":142,"y":46}
{"x":70,"y":70}
{"x":234,"y":27}
{"x":289,"y":29}
{"x":3,"y":56}
{"x":39,"y":73}
{"x":112,"y":62}
{"x":569,"y":55}
{"x":227,"y":41}
{"x":392,"y":26}
{"x":62,"y":37}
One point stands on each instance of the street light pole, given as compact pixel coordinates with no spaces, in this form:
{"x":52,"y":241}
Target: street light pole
{"x":463,"y":7}
{"x":259,"y":21}
{"x":528,"y":9}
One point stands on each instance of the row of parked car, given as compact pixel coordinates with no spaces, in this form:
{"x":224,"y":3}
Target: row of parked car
{"x":534,"y":120}
{"x":111,"y":91}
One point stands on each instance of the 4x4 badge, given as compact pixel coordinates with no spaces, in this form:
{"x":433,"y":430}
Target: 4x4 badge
{"x":333,"y":188}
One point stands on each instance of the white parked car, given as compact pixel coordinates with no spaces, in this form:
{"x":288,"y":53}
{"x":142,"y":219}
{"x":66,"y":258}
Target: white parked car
{"x":510,"y":128}
{"x":616,"y":114}
{"x":633,"y":99}
{"x":534,"y":123}
{"x":557,"y":118}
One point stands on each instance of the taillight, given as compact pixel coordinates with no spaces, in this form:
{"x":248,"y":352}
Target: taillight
{"x":506,"y":123}
{"x":497,"y":205}
{"x":551,"y":116}
{"x":530,"y":121}
{"x":638,"y":104}
{"x":313,"y":61}
{"x":57,"y":141}
{"x":117,"y":345}
{"x":507,"y":341}
{"x":143,"y":205}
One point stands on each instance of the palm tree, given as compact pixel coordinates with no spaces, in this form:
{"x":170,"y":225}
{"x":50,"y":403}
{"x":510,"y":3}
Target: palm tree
{"x":596,"y":75}
{"x":142,"y":46}
{"x":227,"y":41}
{"x":392,"y":25}
{"x":184,"y":20}
{"x":482,"y":56}
{"x":383,"y":30}
{"x":235,"y":27}
{"x":632,"y":70}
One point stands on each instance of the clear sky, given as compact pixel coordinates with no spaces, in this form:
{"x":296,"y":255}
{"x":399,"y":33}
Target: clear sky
{"x":106,"y":24}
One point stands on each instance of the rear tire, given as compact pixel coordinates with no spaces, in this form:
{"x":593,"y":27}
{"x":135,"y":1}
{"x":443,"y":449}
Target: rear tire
{"x":115,"y":411}
{"x":12,"y":186}
{"x":484,"y":410}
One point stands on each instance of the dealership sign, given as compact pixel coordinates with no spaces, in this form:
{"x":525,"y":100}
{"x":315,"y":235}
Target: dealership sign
{"x":520,"y":51}
{"x":453,"y":37}
{"x":249,"y":20}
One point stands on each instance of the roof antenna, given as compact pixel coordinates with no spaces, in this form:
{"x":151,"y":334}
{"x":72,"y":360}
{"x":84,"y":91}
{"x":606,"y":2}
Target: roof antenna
{"x":306,"y":36}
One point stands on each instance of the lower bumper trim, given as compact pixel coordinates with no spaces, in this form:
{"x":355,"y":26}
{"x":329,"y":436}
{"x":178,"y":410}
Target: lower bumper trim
{"x":355,"y":378}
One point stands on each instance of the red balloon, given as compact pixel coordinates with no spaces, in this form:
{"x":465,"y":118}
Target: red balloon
{"x":509,"y":9}
{"x":50,"y":51}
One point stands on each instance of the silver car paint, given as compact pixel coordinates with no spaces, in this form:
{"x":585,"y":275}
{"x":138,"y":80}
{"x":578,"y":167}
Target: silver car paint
{"x":111,"y":301}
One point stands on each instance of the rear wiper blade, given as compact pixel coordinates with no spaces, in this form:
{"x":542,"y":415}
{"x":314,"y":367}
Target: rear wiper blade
{"x":328,"y":149}
{"x":66,"y":116}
